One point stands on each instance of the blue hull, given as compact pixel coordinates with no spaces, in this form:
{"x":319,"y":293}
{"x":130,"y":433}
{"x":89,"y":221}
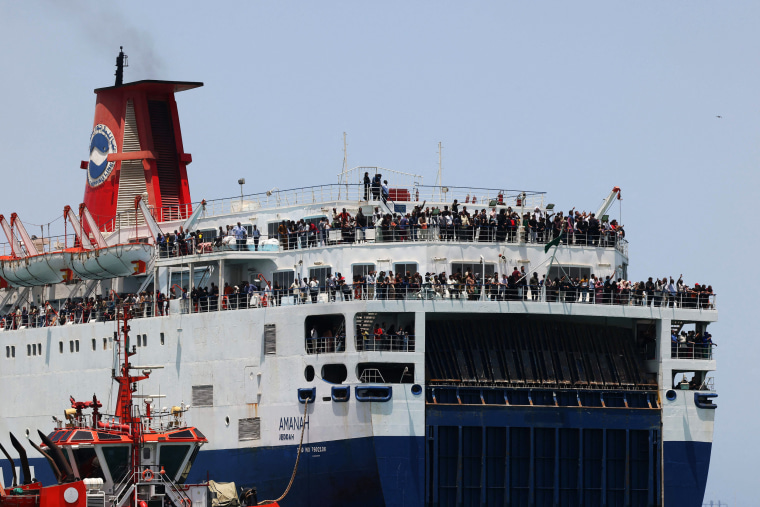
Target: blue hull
{"x":686,"y":467}
{"x":389,"y":471}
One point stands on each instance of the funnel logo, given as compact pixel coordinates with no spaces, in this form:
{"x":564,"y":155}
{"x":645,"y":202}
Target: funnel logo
{"x":102,"y":143}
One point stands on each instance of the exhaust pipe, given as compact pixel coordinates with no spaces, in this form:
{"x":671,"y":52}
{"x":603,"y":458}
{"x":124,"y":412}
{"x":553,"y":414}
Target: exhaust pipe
{"x":23,"y":459}
{"x":56,"y":470}
{"x":13,"y":465}
{"x":63,"y":465}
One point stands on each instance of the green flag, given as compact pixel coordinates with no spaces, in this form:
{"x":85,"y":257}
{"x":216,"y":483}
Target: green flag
{"x":553,"y":242}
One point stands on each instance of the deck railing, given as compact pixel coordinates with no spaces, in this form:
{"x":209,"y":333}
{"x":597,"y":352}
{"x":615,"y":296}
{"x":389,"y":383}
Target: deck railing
{"x":703,"y":351}
{"x":362,"y":236}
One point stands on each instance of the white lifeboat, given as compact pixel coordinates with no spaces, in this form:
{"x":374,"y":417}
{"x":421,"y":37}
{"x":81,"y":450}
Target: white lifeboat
{"x":27,"y":267}
{"x":99,"y":261}
{"x":41,"y":269}
{"x":111,"y":261}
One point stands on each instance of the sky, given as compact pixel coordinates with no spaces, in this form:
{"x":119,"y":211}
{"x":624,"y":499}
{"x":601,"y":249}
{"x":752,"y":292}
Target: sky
{"x":571,"y":98}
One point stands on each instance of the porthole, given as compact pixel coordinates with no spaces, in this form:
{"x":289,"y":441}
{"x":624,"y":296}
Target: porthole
{"x":27,"y":432}
{"x":416,"y":389}
{"x":308,"y":373}
{"x":671,"y":395}
{"x":227,"y":421}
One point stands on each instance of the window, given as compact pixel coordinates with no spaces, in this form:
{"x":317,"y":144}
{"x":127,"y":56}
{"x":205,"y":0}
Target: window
{"x":207,"y":234}
{"x":321,"y":273}
{"x":145,"y":340}
{"x":284,"y":278}
{"x":385,"y":373}
{"x":39,"y":348}
{"x":13,"y":351}
{"x":190,"y":462}
{"x":474,"y":267}
{"x":7,"y":351}
{"x":162,"y":338}
{"x":28,"y":350}
{"x":76,"y":343}
{"x":404,"y":267}
{"x":117,"y":460}
{"x":171,"y":457}
{"x":94,"y":344}
{"x":88,"y":463}
{"x":325,"y":333}
{"x":272,"y":229}
{"x":71,"y":345}
{"x":334,"y":373}
{"x":105,"y":343}
{"x":572,"y":271}
{"x":362,"y":269}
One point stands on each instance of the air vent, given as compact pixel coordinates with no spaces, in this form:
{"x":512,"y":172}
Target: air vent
{"x":203,"y":396}
{"x":249,"y":429}
{"x":270,"y":339}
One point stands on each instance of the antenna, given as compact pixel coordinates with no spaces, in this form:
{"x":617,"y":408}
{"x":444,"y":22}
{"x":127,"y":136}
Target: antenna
{"x":439,"y":178}
{"x":345,"y":153}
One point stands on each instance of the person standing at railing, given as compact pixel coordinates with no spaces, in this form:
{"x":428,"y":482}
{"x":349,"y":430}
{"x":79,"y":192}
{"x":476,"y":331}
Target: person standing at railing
{"x":385,"y":191}
{"x":367,"y":184}
{"x":376,"y":186}
{"x":239,"y":232}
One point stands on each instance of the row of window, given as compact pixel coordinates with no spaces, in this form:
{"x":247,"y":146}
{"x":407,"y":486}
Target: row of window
{"x":32,"y":349}
{"x":35,"y":349}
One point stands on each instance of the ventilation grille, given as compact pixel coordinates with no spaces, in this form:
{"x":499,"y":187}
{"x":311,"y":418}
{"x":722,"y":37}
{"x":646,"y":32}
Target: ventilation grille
{"x":249,"y":429}
{"x":96,"y":500}
{"x":131,"y":174}
{"x":166,"y":152}
{"x":203,"y":396}
{"x":270,"y":339}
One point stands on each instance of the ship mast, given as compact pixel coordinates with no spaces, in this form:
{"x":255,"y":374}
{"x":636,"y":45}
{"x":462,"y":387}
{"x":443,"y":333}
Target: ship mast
{"x":125,"y":410}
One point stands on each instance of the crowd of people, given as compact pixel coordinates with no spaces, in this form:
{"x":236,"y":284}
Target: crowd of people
{"x":691,"y":345}
{"x":382,"y":285}
{"x":83,"y":310}
{"x":454,"y":222}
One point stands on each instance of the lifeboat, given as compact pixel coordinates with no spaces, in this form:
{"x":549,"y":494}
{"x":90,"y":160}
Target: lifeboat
{"x":40,"y":269}
{"x":27,"y":267}
{"x":100,"y":261}
{"x":110,"y":262}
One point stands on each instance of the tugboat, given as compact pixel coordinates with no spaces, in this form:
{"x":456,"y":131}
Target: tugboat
{"x":137,"y":456}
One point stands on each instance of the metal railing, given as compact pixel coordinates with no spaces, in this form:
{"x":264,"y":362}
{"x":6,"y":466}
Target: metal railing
{"x":385,"y":342}
{"x":325,"y":344}
{"x":336,"y":192}
{"x":361,"y":236}
{"x":703,"y":351}
{"x":452,"y":290}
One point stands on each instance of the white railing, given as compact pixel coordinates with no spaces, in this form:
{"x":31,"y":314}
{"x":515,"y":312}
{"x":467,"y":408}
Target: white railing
{"x":703,"y":351}
{"x":369,"y":235}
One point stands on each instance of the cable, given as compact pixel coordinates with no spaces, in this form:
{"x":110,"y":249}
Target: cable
{"x":298,"y":457}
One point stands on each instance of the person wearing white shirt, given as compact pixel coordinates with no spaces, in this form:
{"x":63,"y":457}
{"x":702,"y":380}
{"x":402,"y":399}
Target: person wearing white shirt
{"x":369,"y":285}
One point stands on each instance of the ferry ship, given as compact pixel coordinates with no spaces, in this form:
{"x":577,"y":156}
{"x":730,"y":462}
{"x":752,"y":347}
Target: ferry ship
{"x":383,"y":360}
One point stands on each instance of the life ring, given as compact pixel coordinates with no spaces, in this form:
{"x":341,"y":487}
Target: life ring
{"x":147,"y":475}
